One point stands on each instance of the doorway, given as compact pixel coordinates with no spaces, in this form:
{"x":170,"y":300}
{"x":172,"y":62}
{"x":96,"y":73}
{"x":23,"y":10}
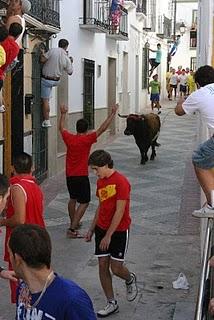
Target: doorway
{"x":88,"y":92}
{"x":40,"y":135}
{"x":111,"y":89}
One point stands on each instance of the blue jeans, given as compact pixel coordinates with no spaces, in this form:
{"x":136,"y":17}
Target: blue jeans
{"x":203,"y":157}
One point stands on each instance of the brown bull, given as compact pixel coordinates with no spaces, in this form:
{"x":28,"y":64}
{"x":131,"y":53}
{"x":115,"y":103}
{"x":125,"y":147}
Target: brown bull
{"x":145,"y":129}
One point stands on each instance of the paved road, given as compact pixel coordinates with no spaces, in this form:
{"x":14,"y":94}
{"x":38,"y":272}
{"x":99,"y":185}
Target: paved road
{"x":164,"y":237}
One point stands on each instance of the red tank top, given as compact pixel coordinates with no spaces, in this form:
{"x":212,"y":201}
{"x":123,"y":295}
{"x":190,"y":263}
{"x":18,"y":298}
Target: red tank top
{"x":34,"y":204}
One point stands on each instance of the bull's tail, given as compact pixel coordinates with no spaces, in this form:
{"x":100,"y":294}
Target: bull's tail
{"x":156,"y":136}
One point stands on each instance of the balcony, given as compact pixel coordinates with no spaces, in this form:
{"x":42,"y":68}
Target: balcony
{"x":4,"y":4}
{"x":164,"y":27}
{"x":97,"y":18}
{"x":193,"y":39}
{"x":46,"y":11}
{"x":141,"y":7}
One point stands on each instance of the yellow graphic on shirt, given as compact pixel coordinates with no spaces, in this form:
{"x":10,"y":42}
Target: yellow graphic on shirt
{"x":107,"y":192}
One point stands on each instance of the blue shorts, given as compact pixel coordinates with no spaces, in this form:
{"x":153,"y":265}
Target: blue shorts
{"x":154,"y":97}
{"x":203,"y":157}
{"x":46,"y":87}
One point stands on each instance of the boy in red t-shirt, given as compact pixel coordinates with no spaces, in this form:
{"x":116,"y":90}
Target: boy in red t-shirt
{"x":111,"y":226}
{"x":78,"y":149}
{"x":25,"y":204}
{"x":11,"y":49}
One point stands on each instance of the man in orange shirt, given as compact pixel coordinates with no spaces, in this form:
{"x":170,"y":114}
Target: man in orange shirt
{"x":78,"y":150}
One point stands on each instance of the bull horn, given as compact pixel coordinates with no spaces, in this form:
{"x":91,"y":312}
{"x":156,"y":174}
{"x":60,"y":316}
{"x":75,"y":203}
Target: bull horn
{"x":122,"y":115}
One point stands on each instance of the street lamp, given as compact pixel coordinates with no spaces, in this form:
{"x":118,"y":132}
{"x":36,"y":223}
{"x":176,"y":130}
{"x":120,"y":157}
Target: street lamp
{"x":182,"y":28}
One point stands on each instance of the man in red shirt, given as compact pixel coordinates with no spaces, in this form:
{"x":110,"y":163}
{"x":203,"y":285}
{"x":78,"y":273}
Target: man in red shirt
{"x":25,"y":204}
{"x":11,"y":49}
{"x":111,"y":226}
{"x":78,"y":150}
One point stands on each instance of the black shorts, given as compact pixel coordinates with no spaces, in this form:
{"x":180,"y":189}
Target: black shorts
{"x":174,"y":86}
{"x":153,"y":62}
{"x":118,"y":245}
{"x":1,"y":84}
{"x":79,"y":188}
{"x":183,"y":88}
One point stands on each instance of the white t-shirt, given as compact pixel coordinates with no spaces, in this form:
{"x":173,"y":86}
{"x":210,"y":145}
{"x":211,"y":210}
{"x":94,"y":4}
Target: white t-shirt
{"x":202,"y":101}
{"x":173,"y":80}
{"x":183,"y":79}
{"x":58,"y":61}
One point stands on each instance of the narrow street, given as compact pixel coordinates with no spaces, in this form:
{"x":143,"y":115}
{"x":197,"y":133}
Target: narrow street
{"x":164,"y":238}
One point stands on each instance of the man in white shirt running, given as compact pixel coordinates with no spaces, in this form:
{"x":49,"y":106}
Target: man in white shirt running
{"x":183,"y":83}
{"x":202,"y":101}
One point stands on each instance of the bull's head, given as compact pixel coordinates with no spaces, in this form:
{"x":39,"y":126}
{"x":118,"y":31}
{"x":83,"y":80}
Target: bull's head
{"x":132,"y":119}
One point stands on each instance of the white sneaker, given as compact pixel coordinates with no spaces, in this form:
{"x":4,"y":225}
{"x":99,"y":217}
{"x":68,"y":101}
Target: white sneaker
{"x":110,"y":308}
{"x":2,"y":108}
{"x":46,"y":124}
{"x":131,"y":288}
{"x":205,"y":212}
{"x":181,"y":282}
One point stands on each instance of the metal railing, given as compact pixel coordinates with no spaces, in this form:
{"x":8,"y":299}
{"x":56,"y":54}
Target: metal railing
{"x":205,"y":291}
{"x":98,"y":13}
{"x":46,"y":11}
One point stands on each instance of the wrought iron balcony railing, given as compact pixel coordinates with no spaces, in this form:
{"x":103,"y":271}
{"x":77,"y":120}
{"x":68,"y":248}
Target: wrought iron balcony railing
{"x":141,"y":6}
{"x":97,"y":17}
{"x":46,"y":11}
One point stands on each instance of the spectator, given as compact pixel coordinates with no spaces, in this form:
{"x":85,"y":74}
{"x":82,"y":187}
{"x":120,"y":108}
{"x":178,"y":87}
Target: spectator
{"x":202,"y":101}
{"x":155,"y":93}
{"x":179,"y":71}
{"x":25,"y":204}
{"x":15,"y":12}
{"x":111,"y":226}
{"x":173,"y":82}
{"x":55,"y":61}
{"x":78,"y":149}
{"x":12,"y":49}
{"x":154,"y":62}
{"x":191,"y":82}
{"x":4,"y":194}
{"x":42,"y":292}
{"x":183,"y":83}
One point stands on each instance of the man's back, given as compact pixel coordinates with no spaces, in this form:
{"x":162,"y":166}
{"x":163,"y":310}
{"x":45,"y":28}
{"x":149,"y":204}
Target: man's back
{"x":78,"y":149}
{"x":57,"y":62}
{"x":202,"y":101}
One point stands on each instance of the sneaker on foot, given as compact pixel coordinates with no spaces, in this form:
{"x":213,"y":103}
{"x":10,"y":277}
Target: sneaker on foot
{"x":2,"y":108}
{"x":131,"y":288}
{"x":205,"y":212}
{"x":110,"y":308}
{"x":46,"y":124}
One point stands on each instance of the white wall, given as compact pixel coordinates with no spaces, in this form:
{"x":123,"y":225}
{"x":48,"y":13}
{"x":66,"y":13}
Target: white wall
{"x":205,"y":35}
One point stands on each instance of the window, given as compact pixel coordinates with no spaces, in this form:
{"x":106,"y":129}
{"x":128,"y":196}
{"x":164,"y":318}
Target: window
{"x":193,"y":63}
{"x":193,"y":38}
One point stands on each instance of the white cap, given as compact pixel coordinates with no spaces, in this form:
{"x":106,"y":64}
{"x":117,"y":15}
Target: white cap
{"x":26,"y":6}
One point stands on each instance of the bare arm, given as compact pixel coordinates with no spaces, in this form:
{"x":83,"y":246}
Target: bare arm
{"x":19,"y":205}
{"x":12,"y":19}
{"x":120,"y":209}
{"x":152,"y":50}
{"x":179,"y":108}
{"x":108,"y":121}
{"x":90,"y":232}
{"x":63,"y":110}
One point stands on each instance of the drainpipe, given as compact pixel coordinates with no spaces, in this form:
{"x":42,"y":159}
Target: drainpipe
{"x":174,"y":24}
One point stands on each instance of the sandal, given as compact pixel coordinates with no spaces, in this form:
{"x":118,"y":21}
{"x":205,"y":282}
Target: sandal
{"x":73,"y":234}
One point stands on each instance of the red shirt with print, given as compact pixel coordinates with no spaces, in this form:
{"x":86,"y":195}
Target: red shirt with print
{"x":109,"y":190}
{"x":12,"y":49}
{"x":34,"y":204}
{"x":78,"y":149}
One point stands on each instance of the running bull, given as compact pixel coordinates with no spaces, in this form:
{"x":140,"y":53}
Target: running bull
{"x":145,"y":129}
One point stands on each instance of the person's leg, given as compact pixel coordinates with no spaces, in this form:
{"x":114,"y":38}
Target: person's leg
{"x":105,"y":277}
{"x":45,"y":108}
{"x":118,"y":268}
{"x":72,"y":210}
{"x":206,"y":181}
{"x":78,"y":214}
